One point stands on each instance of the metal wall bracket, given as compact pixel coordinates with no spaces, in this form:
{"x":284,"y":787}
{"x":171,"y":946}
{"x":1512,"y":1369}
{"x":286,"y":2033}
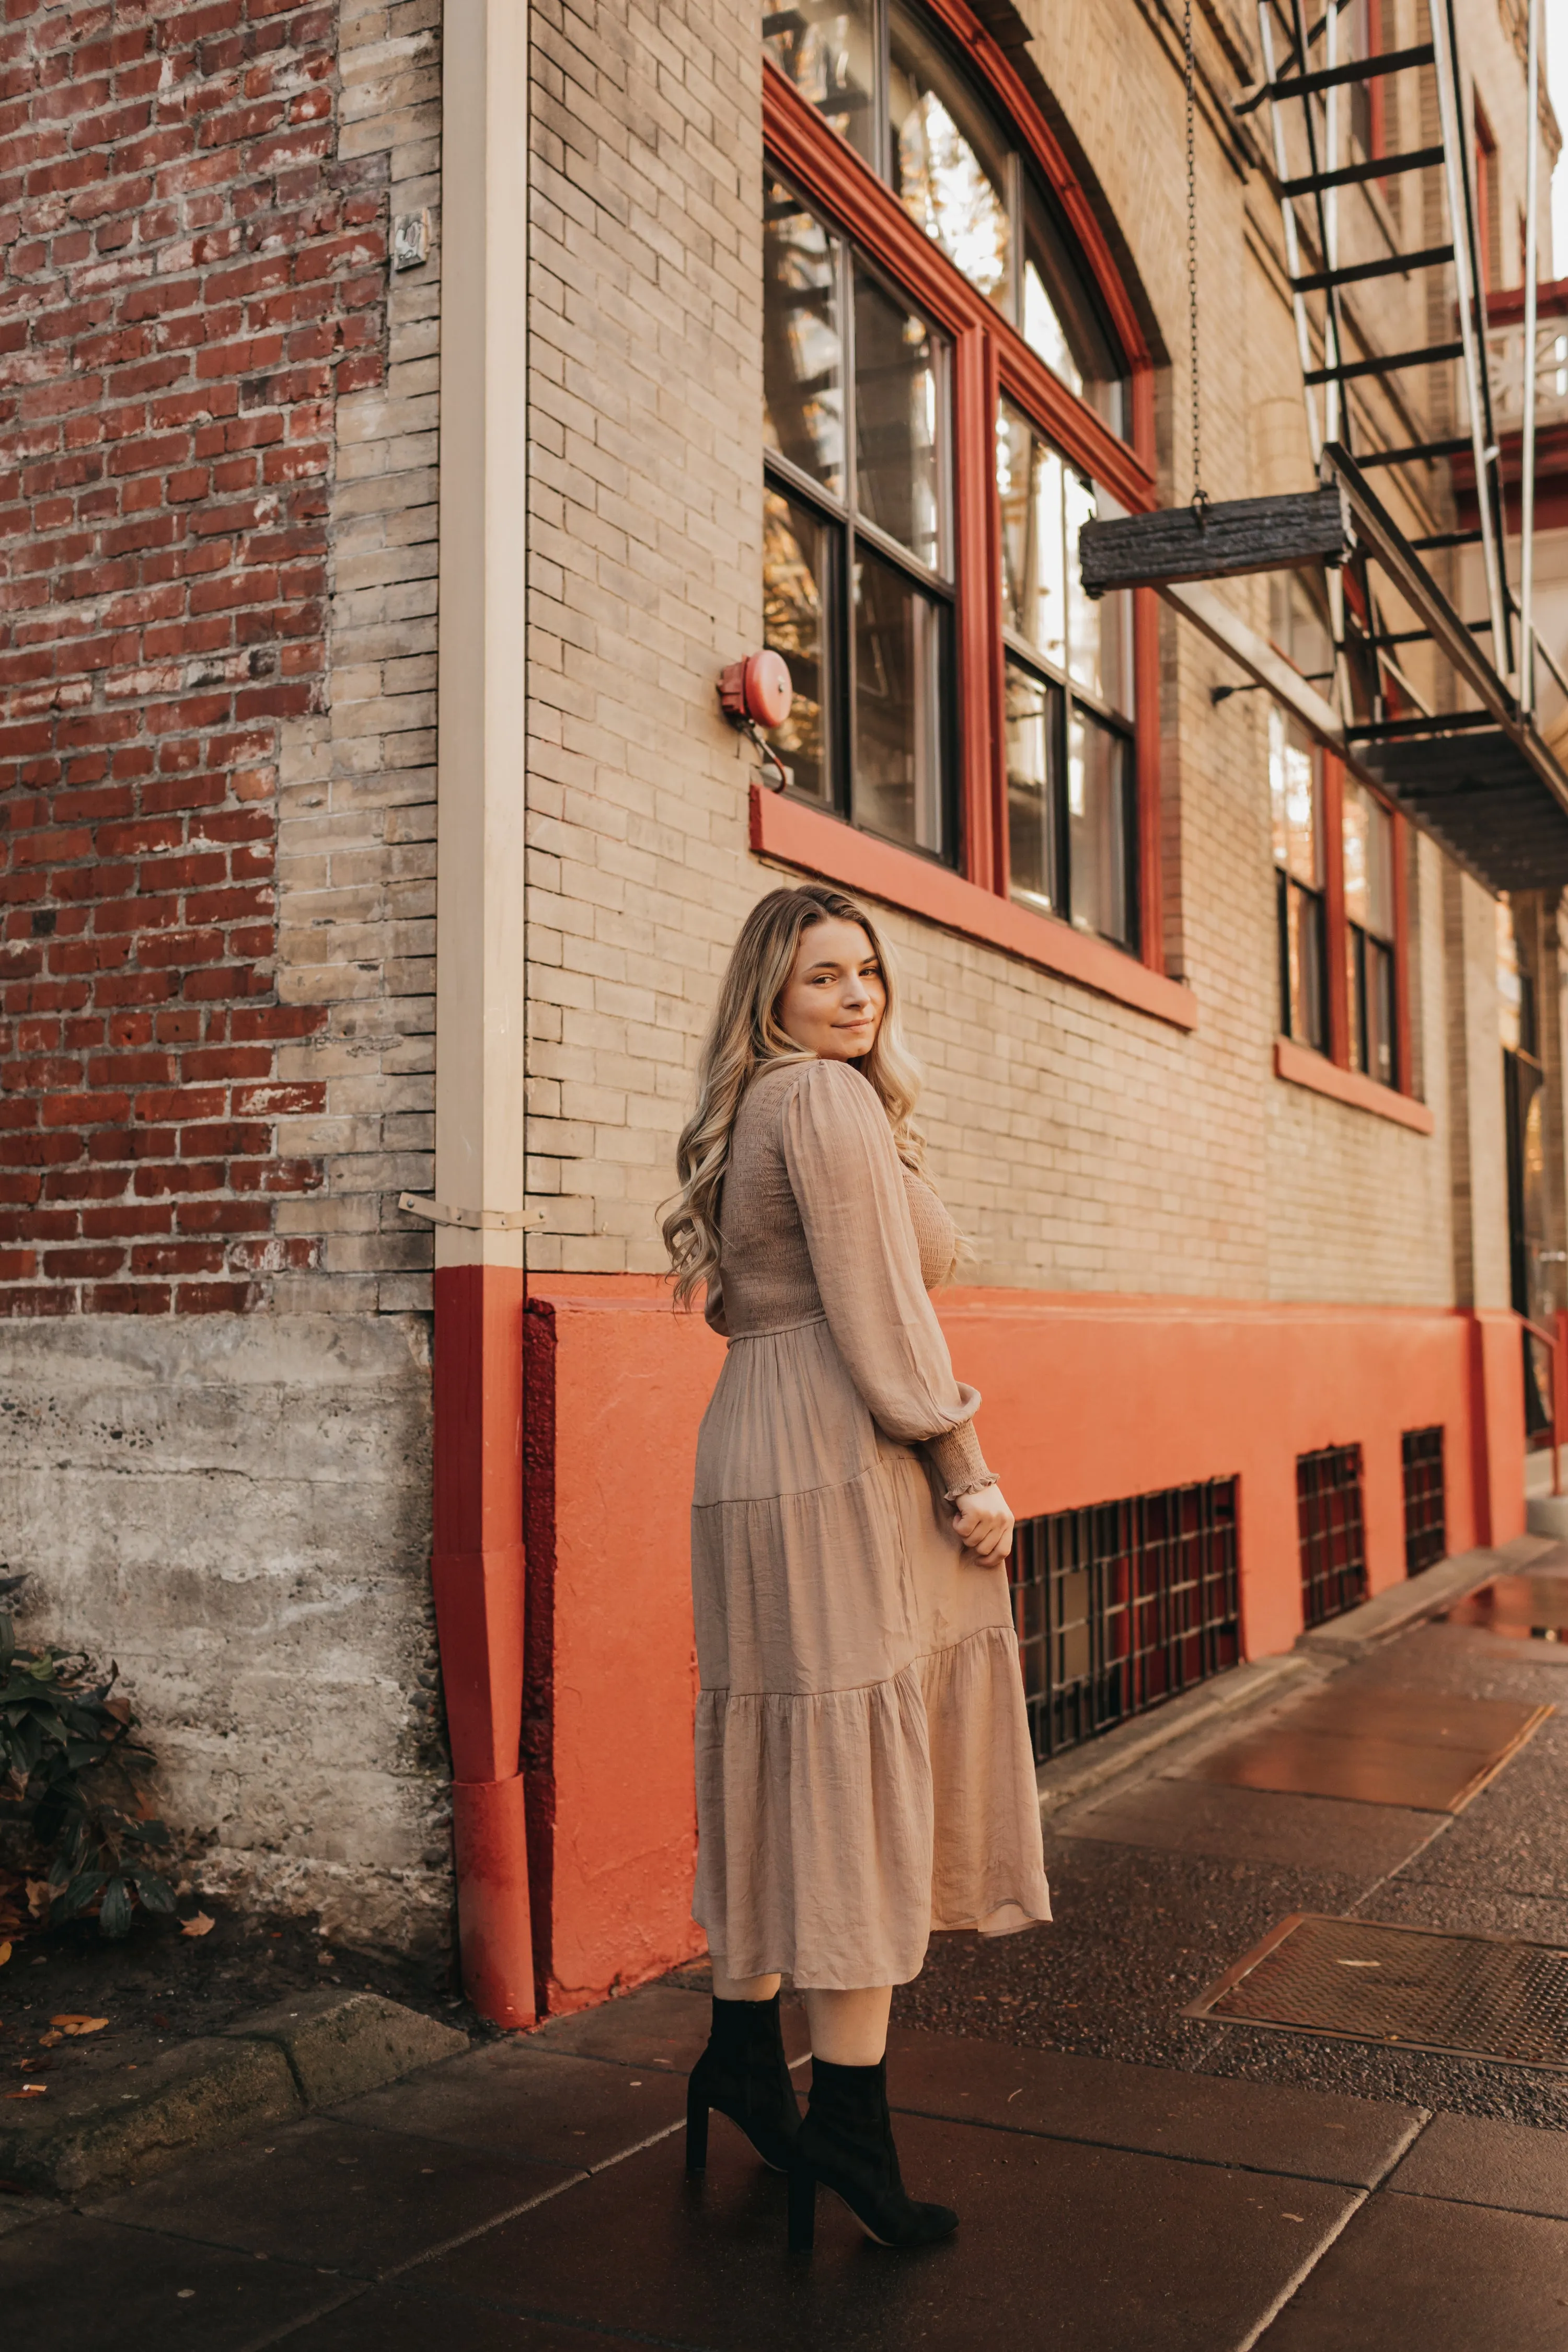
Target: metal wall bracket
{"x":488,"y":1220}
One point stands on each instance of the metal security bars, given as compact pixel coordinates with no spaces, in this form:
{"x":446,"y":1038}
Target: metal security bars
{"x":1122,"y":1605}
{"x":1426,"y":1498}
{"x":1328,"y":1522}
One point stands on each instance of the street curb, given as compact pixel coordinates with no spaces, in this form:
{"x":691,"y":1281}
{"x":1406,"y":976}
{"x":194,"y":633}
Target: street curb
{"x":1400,"y":1606}
{"x":266,"y":2069}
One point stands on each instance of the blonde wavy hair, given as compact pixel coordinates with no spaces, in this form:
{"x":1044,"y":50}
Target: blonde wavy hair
{"x":744,"y":1037}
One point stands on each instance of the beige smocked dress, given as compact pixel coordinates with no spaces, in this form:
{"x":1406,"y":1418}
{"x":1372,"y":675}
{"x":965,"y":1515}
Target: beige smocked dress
{"x":864,"y":1772}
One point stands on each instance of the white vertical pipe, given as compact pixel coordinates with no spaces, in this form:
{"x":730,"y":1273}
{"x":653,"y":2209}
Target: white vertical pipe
{"x":1527,"y":486}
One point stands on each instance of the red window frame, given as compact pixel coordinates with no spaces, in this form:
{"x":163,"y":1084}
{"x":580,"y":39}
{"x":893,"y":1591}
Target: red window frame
{"x":990,"y":358}
{"x":1331,"y":1073}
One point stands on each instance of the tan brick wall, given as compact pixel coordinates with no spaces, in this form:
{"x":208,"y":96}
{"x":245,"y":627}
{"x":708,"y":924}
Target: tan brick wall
{"x":357,"y":823}
{"x":1084,"y":1145}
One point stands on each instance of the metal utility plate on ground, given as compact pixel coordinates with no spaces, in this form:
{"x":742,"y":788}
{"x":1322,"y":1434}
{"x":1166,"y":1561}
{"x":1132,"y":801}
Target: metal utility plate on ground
{"x":1523,"y":1607}
{"x":1411,"y":1988}
{"x":1431,"y":1754}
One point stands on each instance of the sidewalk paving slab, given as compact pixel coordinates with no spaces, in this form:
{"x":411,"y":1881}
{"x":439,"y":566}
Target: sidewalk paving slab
{"x":516,"y":2099}
{"x":1333,"y":1835}
{"x":662,"y":2025}
{"x":396,"y":2319}
{"x":359,"y":2203}
{"x":1095,"y":2249}
{"x":1477,"y":2161}
{"x":76,"y":2283}
{"x":1199,"y":2118}
{"x":1416,"y":2274}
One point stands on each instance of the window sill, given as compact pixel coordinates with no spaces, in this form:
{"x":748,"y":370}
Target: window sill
{"x":1304,"y":1067}
{"x":795,"y":835}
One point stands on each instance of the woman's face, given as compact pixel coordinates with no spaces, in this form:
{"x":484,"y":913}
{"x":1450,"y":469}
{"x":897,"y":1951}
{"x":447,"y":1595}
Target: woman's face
{"x":834,"y":999}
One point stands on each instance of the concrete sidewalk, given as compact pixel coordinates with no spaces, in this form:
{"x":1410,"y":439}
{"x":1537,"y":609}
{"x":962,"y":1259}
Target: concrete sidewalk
{"x":1130,"y":2180}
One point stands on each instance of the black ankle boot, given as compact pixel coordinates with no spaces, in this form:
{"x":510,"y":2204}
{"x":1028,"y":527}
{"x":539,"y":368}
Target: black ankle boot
{"x":847,"y":2144}
{"x":744,"y":2074}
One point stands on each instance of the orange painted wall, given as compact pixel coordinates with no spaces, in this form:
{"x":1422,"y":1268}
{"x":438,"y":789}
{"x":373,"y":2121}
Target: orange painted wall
{"x":1086,"y":1398}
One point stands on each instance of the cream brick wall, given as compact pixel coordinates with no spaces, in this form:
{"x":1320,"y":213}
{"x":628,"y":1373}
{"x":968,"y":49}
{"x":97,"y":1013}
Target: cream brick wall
{"x":357,"y":819}
{"x":1082,"y":1144}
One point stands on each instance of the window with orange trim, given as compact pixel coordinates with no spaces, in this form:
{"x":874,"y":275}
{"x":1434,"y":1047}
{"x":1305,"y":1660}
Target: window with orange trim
{"x":1338,"y":849}
{"x":954,"y":382}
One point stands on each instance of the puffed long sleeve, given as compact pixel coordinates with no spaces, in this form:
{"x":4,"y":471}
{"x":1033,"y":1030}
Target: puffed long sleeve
{"x":845,"y":1173}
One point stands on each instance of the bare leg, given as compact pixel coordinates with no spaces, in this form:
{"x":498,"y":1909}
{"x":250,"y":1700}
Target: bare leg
{"x":849,"y":2029}
{"x":729,"y":1987}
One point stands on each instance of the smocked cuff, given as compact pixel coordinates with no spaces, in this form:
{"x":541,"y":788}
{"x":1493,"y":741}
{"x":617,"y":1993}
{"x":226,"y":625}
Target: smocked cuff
{"x":959,"y":1464}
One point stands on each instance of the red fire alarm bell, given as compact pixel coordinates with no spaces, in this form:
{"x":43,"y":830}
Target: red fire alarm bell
{"x":757,"y":692}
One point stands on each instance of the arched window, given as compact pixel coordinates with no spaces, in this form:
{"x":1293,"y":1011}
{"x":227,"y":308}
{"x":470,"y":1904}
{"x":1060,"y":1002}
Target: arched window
{"x":952,"y":382}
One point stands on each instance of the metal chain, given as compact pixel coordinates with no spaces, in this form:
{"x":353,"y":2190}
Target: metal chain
{"x":1200,"y":495}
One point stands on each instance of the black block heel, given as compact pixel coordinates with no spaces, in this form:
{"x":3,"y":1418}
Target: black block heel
{"x":845,"y":2144}
{"x":696,"y":2129}
{"x":744,"y":2074}
{"x":802,"y":2209}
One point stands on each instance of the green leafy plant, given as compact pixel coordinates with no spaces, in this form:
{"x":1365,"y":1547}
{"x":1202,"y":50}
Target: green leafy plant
{"x":69,"y":1774}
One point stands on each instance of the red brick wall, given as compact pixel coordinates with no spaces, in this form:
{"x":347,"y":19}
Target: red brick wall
{"x":191,"y":275}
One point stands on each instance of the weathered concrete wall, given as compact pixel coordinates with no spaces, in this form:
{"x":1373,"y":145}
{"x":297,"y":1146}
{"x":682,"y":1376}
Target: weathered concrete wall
{"x":237,"y":1509}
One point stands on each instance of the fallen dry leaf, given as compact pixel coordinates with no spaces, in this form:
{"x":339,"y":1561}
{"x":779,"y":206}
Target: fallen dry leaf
{"x":38,"y":1897}
{"x":74,"y":2025}
{"x":4,"y":1954}
{"x":199,"y":1925}
{"x":28,"y":2091}
{"x":48,"y":2041}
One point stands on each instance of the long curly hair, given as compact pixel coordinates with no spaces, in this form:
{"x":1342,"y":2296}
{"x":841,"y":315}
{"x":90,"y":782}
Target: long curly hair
{"x":744,"y":1037}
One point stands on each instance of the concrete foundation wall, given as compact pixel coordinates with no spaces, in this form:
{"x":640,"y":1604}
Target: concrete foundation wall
{"x":237,"y":1509}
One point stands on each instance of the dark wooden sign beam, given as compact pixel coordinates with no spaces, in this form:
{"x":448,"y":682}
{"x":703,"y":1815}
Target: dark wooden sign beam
{"x":1240,"y":535}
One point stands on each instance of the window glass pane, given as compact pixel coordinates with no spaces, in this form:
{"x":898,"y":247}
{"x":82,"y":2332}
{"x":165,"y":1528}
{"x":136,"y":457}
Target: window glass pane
{"x":1369,"y":876}
{"x":1099,"y":771}
{"x":1030,"y":481}
{"x":798,"y":552}
{"x":1294,"y":790}
{"x":1061,"y":317}
{"x":899,"y":666}
{"x":899,"y":394}
{"x":1300,"y":626}
{"x":1032,"y":708}
{"x":1044,"y":506}
{"x":803,"y":370}
{"x":829,"y":54}
{"x":949,"y":162}
{"x":1303,"y":913}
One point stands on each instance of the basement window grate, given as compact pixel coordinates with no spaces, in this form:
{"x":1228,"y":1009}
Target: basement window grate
{"x":1426,"y":1499}
{"x":1123,"y":1605}
{"x":1328,"y":1523}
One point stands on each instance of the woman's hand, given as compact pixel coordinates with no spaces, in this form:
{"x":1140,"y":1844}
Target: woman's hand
{"x":985,"y":1524}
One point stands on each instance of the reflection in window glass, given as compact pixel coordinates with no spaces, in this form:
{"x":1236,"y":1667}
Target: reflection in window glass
{"x":1044,"y":506}
{"x":1298,"y":872}
{"x":802,"y":376}
{"x":1293,"y":791}
{"x":1098,"y":781}
{"x":1032,"y":850}
{"x":830,"y":55}
{"x":899,"y":760}
{"x":1059,"y":318}
{"x":798,"y":572}
{"x":949,"y":163}
{"x":1369,"y":931}
{"x":897,"y":394}
{"x":1030,"y":481}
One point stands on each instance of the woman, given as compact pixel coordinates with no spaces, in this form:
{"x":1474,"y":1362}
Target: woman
{"x":863,"y":1766}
